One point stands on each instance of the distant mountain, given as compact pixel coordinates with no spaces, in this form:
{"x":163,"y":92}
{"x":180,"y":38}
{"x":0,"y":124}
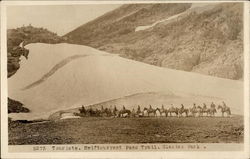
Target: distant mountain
{"x":202,"y":38}
{"x":18,"y":38}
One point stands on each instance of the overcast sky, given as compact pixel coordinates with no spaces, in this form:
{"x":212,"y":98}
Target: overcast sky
{"x":58,"y":18}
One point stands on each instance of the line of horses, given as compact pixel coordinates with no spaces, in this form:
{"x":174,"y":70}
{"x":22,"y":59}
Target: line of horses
{"x":195,"y":111}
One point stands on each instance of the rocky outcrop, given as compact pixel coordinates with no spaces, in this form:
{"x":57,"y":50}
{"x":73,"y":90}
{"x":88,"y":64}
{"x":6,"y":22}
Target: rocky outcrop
{"x":18,"y":38}
{"x":16,"y":107}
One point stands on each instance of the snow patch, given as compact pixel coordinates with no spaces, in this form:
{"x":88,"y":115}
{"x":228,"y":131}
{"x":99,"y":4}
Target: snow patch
{"x":197,"y":7}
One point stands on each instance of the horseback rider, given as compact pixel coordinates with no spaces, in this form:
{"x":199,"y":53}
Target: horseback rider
{"x":82,"y":110}
{"x":224,"y":105}
{"x":110,"y":107}
{"x":115,"y":109}
{"x":212,"y":105}
{"x":162,"y":108}
{"x":172,"y":106}
{"x":194,"y":106}
{"x":91,"y":111}
{"x":123,"y":107}
{"x":182,"y":106}
{"x":138,"y":108}
{"x":150,"y":107}
{"x":224,"y":109}
{"x":204,"y":107}
{"x":133,"y":112}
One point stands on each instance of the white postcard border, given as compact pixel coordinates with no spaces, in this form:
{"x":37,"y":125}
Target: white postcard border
{"x":180,"y":154}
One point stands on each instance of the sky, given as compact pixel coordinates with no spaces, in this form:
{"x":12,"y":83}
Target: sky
{"x":60,"y":19}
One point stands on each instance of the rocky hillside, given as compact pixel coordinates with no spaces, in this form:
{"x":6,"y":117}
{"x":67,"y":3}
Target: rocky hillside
{"x":206,"y":38}
{"x":18,"y":38}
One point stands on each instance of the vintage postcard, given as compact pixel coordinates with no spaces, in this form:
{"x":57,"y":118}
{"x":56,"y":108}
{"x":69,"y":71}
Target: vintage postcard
{"x":125,"y":79}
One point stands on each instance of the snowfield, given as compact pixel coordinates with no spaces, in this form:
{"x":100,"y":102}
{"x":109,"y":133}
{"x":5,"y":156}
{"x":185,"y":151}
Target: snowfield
{"x":64,"y":76}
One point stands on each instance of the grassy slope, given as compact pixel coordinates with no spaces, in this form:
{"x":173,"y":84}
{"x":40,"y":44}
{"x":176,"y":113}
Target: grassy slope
{"x":129,"y":130}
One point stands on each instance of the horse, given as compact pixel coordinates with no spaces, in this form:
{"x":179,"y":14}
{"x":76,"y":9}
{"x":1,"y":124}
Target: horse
{"x":212,"y":112}
{"x":157,"y":112}
{"x":173,"y":110}
{"x":139,"y":113}
{"x":133,"y":113}
{"x":199,"y":111}
{"x":224,"y":109}
{"x":82,"y":111}
{"x":205,"y":110}
{"x":108,"y":112}
{"x":124,"y":113}
{"x":90,"y":112}
{"x":149,"y":112}
{"x":115,"y":112}
{"x":103,"y":112}
{"x":163,"y":111}
{"x":193,"y":111}
{"x":182,"y":110}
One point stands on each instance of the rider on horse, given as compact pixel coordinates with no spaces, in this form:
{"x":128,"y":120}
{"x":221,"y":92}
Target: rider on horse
{"x":172,"y":106}
{"x":212,"y":105}
{"x":224,"y":105}
{"x":162,"y":107}
{"x":194,"y":106}
{"x":150,"y":107}
{"x":115,"y":109}
{"x":182,"y":106}
{"x":204,"y":107}
{"x":82,"y":110}
{"x":138,"y":108}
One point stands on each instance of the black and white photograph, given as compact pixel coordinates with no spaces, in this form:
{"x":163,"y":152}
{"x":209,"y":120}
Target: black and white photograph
{"x":126,"y":76}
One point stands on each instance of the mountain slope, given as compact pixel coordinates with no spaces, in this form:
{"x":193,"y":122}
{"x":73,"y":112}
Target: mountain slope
{"x":95,"y":76}
{"x":201,"y":38}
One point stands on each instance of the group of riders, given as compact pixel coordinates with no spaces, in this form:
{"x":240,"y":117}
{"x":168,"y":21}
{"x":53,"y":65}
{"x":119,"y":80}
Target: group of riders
{"x":194,"y":111}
